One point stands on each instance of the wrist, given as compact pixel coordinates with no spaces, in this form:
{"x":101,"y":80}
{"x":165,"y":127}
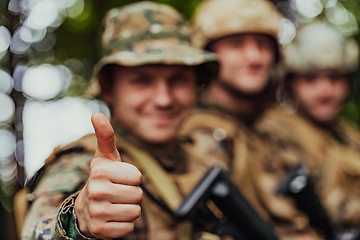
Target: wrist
{"x":66,"y":221}
{"x":78,"y":210}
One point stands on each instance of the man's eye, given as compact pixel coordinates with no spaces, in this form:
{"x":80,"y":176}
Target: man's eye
{"x":235,"y":42}
{"x":264,"y":43}
{"x":140,"y":81}
{"x":337,"y":77}
{"x":260,"y":43}
{"x":310,"y":79}
{"x":180,"y":79}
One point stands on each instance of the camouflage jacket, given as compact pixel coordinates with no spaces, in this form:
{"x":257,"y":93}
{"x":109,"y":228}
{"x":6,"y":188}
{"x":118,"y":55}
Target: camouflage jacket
{"x":212,"y":137}
{"x":332,"y":157}
{"x":51,"y":214}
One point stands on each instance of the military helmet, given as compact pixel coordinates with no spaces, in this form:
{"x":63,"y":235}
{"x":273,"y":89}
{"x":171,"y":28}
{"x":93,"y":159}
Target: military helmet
{"x":319,"y":46}
{"x":149,"y":33}
{"x":215,"y":19}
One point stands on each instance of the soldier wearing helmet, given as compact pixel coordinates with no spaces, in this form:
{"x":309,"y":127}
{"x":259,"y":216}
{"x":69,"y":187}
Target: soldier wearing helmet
{"x":243,"y":35}
{"x":306,"y":128}
{"x":149,"y":75}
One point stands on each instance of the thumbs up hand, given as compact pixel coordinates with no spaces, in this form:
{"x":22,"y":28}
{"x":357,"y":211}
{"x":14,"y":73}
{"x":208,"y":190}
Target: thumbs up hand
{"x":109,"y":202}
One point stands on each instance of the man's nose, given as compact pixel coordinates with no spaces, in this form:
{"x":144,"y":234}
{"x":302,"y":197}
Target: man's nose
{"x":163,"y":96}
{"x":325,"y":85}
{"x":252,"y":51}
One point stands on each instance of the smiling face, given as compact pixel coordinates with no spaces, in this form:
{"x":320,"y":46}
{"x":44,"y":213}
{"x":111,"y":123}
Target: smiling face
{"x":152,"y":100}
{"x":246,"y":60}
{"x":320,"y":95}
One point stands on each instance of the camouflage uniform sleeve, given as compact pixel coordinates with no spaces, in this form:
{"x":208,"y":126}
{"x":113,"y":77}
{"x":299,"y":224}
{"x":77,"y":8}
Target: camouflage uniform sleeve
{"x":66,"y":222}
{"x":63,"y":177}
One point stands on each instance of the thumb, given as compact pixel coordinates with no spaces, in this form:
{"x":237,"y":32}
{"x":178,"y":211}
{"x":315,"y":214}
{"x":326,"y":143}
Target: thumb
{"x":104,"y":132}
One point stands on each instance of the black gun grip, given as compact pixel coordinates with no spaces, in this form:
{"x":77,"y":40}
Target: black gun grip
{"x":299,"y":187}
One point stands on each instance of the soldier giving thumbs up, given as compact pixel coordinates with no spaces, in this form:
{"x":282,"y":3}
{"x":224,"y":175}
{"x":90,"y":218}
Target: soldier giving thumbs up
{"x":149,"y":76}
{"x":109,"y":203}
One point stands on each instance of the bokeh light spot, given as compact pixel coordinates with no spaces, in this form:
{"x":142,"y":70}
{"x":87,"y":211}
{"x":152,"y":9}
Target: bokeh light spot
{"x":7,"y":109}
{"x":46,"y":44}
{"x":309,"y":8}
{"x":287,"y":32}
{"x":14,"y":6}
{"x":7,"y":143}
{"x":6,"y":82}
{"x":5,"y":38}
{"x":18,"y":46}
{"x":76,"y":9}
{"x":30,"y":35}
{"x":351,"y":27}
{"x":66,"y":76}
{"x":65,"y":3}
{"x":42,"y":82}
{"x":337,"y":14}
{"x":42,"y":15}
{"x":18,"y":74}
{"x":8,"y":173}
{"x":331,"y":3}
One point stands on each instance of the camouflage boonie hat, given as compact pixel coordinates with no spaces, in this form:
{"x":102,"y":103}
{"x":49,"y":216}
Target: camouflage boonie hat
{"x":215,"y":19}
{"x":149,"y":33}
{"x":319,"y":46}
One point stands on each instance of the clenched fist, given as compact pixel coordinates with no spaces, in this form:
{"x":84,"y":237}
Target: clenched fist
{"x":109,"y":202}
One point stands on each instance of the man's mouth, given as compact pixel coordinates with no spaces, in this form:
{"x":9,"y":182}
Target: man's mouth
{"x":252,"y":70}
{"x":162,"y":119}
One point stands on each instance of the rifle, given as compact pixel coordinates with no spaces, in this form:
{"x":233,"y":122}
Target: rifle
{"x":242,"y":221}
{"x":299,"y":187}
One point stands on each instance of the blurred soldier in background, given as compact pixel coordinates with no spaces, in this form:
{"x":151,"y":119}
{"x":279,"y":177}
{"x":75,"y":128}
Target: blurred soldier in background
{"x":306,"y":129}
{"x":243,"y":34}
{"x":149,"y":76}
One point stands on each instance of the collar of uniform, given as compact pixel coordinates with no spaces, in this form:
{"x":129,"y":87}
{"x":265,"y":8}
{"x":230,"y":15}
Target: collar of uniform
{"x":244,"y":120}
{"x":337,"y":130}
{"x":261,"y":101}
